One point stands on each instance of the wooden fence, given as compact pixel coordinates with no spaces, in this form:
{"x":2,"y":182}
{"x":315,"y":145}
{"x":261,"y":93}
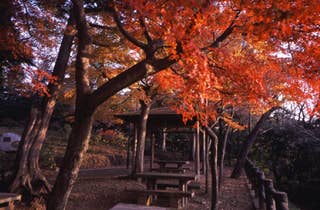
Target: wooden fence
{"x":267,"y":197}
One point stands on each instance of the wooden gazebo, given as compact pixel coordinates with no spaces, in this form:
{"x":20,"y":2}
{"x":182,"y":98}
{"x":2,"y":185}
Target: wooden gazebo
{"x":167,"y":120}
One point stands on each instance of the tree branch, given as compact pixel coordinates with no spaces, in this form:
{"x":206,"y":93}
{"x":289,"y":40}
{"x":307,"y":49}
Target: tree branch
{"x":145,"y":32}
{"x":125,"y":33}
{"x":224,"y":35}
{"x":126,"y":78}
{"x":94,"y":25}
{"x":100,"y":44}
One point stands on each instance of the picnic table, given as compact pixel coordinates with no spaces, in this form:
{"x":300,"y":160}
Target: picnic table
{"x":7,"y":199}
{"x":163,"y":164}
{"x":126,"y":206}
{"x":153,"y":177}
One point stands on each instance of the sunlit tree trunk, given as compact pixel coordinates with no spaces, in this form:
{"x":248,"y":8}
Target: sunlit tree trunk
{"x":77,"y":146}
{"x":145,"y":109}
{"x":222,"y":149}
{"x":79,"y":139}
{"x":28,"y":176}
{"x":214,"y":169}
{"x":236,"y":173}
{"x":222,"y":154}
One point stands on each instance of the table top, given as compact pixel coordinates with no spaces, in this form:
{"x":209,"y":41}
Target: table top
{"x":173,"y":161}
{"x":159,"y":175}
{"x":126,"y":206}
{"x":7,"y":197}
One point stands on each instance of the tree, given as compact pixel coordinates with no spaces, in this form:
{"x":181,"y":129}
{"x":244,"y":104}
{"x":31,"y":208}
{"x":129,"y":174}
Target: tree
{"x":28,"y":172}
{"x":214,"y":169}
{"x":145,"y":105}
{"x":222,"y":148}
{"x":247,"y":145}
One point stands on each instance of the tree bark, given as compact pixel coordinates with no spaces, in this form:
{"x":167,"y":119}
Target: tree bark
{"x":236,"y":173}
{"x":28,"y":176}
{"x":79,"y":139}
{"x":145,"y":109}
{"x":222,"y":150}
{"x":221,"y":159}
{"x":77,"y":146}
{"x":214,"y":169}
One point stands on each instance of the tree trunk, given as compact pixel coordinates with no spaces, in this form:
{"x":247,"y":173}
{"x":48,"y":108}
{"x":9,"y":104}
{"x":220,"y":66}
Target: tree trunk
{"x":28,"y":176}
{"x":236,"y":173}
{"x":221,"y":159}
{"x":77,"y":146}
{"x":145,"y":109}
{"x":79,"y":139}
{"x":222,"y":152}
{"x":214,"y":169}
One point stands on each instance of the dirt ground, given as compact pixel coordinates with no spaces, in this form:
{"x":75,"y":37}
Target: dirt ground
{"x":101,"y":192}
{"x":96,"y":192}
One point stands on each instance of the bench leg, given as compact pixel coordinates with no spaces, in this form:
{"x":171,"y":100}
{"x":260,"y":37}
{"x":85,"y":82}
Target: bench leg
{"x":183,"y":187}
{"x":176,"y":202}
{"x":145,"y":200}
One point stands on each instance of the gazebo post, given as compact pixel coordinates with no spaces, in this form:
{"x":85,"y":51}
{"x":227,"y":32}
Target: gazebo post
{"x":152,"y":151}
{"x":204,"y":168}
{"x":207,"y":163}
{"x":128,"y":145}
{"x":164,"y":134}
{"x":198,"y":150}
{"x":194,"y":147}
{"x":134,"y":146}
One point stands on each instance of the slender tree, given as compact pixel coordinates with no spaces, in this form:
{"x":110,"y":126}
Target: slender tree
{"x":214,"y":169}
{"x":236,"y":173}
{"x":28,"y":173}
{"x":145,"y":106}
{"x":222,"y":152}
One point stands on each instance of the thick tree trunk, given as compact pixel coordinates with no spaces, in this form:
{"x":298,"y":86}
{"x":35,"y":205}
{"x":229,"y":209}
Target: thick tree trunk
{"x":79,"y":139}
{"x":145,"y":109}
{"x":77,"y":146}
{"x":214,"y":169}
{"x":28,"y":176}
{"x":236,"y":173}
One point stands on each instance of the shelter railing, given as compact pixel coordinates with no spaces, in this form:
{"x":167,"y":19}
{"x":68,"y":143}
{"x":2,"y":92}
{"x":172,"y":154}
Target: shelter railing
{"x":268,"y":198}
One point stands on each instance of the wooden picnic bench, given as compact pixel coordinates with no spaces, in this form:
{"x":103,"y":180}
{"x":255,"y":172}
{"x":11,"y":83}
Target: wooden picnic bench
{"x":166,"y":184}
{"x":164,"y":163}
{"x":179,"y":197}
{"x":167,"y":198}
{"x":7,"y":200}
{"x":127,"y":206}
{"x":170,"y":170}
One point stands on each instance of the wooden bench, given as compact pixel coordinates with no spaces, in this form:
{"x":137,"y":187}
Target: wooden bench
{"x":127,"y":206}
{"x":166,"y":198}
{"x":7,"y":200}
{"x":190,"y":186}
{"x":170,"y":170}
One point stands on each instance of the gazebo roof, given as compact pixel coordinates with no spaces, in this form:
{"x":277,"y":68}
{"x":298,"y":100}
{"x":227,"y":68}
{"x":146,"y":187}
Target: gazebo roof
{"x":158,"y":117}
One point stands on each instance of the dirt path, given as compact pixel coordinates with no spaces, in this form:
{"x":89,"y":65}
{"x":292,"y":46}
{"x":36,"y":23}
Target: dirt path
{"x":103,"y":188}
{"x":235,"y":194}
